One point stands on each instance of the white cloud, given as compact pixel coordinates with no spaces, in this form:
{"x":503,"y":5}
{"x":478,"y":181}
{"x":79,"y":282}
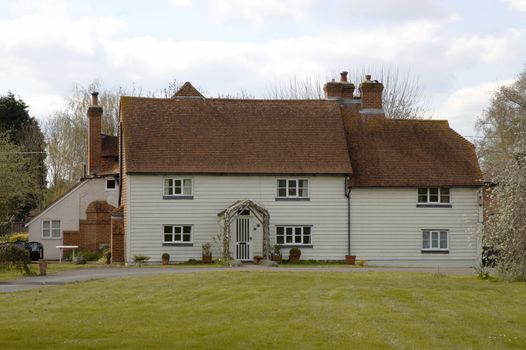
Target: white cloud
{"x":44,"y":105}
{"x":181,"y":3}
{"x":518,"y":5}
{"x":396,"y":9}
{"x":465,"y":105}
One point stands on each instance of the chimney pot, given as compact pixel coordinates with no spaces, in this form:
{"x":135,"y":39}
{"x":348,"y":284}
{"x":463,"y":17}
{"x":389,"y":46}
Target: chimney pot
{"x":343,"y":76}
{"x":94,"y":98}
{"x":368,"y":77}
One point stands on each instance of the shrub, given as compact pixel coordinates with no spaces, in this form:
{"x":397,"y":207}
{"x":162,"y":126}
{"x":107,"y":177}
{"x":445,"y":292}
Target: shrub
{"x":89,"y":255}
{"x":165,"y":256}
{"x":295,"y":252}
{"x":80,"y":260}
{"x":140,"y":259}
{"x":106,"y":256}
{"x":13,"y":256}
{"x":18,"y":236}
{"x":277,"y":249}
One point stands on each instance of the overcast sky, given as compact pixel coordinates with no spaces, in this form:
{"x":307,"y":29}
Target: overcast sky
{"x":459,"y":50}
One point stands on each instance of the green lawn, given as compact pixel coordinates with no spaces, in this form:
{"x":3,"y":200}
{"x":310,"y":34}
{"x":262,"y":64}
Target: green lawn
{"x":52,"y":268}
{"x":269,"y":310}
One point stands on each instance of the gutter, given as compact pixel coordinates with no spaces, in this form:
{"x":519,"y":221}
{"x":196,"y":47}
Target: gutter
{"x":120,"y":163}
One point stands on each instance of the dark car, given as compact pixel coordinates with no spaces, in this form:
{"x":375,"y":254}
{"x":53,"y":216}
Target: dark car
{"x":35,"y":249}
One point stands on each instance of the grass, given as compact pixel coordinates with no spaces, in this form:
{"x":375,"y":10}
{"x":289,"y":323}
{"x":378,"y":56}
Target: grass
{"x":269,"y":310}
{"x":52,"y":268}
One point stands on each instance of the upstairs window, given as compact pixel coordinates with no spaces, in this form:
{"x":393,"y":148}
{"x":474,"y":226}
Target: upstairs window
{"x":111,"y":184}
{"x":293,"y":188}
{"x":178,"y":187}
{"x":51,"y":229}
{"x":433,"y":195}
{"x":434,"y":240}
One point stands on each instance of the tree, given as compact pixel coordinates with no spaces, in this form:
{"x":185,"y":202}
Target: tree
{"x":402,"y":96}
{"x":503,"y":154}
{"x":23,"y":130}
{"x":16,"y":180}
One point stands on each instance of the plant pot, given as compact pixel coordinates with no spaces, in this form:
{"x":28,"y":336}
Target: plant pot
{"x":350,"y":259}
{"x":166,"y":261}
{"x":294,"y":259}
{"x":277,"y":258}
{"x":207,"y":259}
{"x":257,"y":259}
{"x":42,"y":266}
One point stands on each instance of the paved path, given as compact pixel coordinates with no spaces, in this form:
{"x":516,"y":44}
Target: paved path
{"x":80,"y":275}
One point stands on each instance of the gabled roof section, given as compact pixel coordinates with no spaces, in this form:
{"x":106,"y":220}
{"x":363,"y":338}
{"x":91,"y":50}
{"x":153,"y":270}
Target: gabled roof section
{"x":230,"y":136}
{"x":188,"y":90}
{"x":409,"y":153}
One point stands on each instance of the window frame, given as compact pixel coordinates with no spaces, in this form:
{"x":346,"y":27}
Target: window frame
{"x":293,"y":228}
{"x":439,"y":194}
{"x":287,"y":188}
{"x":437,"y":249}
{"x":181,"y":195}
{"x":50,"y":229}
{"x":181,"y":242}
{"x":106,"y":188}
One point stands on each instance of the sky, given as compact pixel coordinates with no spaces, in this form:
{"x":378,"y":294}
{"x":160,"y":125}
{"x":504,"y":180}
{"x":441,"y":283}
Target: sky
{"x":460,"y":51}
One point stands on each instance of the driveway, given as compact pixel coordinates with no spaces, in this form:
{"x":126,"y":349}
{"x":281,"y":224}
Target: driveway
{"x":81,"y":275}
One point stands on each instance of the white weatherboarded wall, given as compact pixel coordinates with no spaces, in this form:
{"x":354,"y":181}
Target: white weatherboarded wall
{"x":148,"y":212}
{"x":69,"y":210}
{"x":386,"y":227}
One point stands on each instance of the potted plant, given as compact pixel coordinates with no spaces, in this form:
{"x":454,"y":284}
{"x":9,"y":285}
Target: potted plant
{"x":165,"y":258}
{"x":294,"y":255}
{"x":42,"y":266}
{"x":257,"y":259}
{"x":140,"y":259}
{"x":276,"y":255}
{"x":207,"y":253}
{"x":350,"y":259}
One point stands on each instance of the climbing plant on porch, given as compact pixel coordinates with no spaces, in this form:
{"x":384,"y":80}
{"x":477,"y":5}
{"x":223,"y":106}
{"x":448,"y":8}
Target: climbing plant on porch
{"x":232,"y":212}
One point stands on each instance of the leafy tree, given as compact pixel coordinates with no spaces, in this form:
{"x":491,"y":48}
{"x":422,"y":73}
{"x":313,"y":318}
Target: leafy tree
{"x":503,"y":154}
{"x":16,"y":181}
{"x":24,"y":131}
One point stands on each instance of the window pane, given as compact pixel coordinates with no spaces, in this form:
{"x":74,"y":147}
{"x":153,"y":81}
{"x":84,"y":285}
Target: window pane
{"x":425,"y":240}
{"x":168,"y":191}
{"x":55,"y":233}
{"x":280,"y":230}
{"x":303,"y":188}
{"x":177,"y":229}
{"x":279,"y":239}
{"x":178,"y":188}
{"x":187,"y":188}
{"x":292,"y":188}
{"x":444,"y":195}
{"x":443,"y":240}
{"x":288,"y":232}
{"x":422,"y":195}
{"x":433,"y":194}
{"x":46,"y":232}
{"x":297,"y":235}
{"x":187,"y":229}
{"x":434,"y":239}
{"x":168,"y":229}
{"x":46,"y":225}
{"x":168,"y":237}
{"x":282,"y":183}
{"x":282,"y":192}
{"x":306,"y":235}
{"x":177,"y":237}
{"x":55,"y":224}
{"x":186,"y":238}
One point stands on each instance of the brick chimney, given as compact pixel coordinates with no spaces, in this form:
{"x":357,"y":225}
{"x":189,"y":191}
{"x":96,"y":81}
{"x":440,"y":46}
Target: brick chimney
{"x":371,"y":95}
{"x":342,"y":89}
{"x":94,"y":134}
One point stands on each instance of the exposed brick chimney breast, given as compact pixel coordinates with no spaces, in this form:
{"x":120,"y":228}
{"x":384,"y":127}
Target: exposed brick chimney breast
{"x":94,"y":134}
{"x":342,"y":89}
{"x":371,"y":96}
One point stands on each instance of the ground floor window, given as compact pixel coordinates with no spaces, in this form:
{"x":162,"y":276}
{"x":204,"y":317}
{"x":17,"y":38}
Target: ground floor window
{"x":293,"y":235}
{"x":51,"y":229}
{"x":435,"y":240}
{"x":177,"y":233}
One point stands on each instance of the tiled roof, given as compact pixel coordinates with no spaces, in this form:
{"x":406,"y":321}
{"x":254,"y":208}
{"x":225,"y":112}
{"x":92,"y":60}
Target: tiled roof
{"x":187,"y":90}
{"x":190,"y":135}
{"x":397,"y":152}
